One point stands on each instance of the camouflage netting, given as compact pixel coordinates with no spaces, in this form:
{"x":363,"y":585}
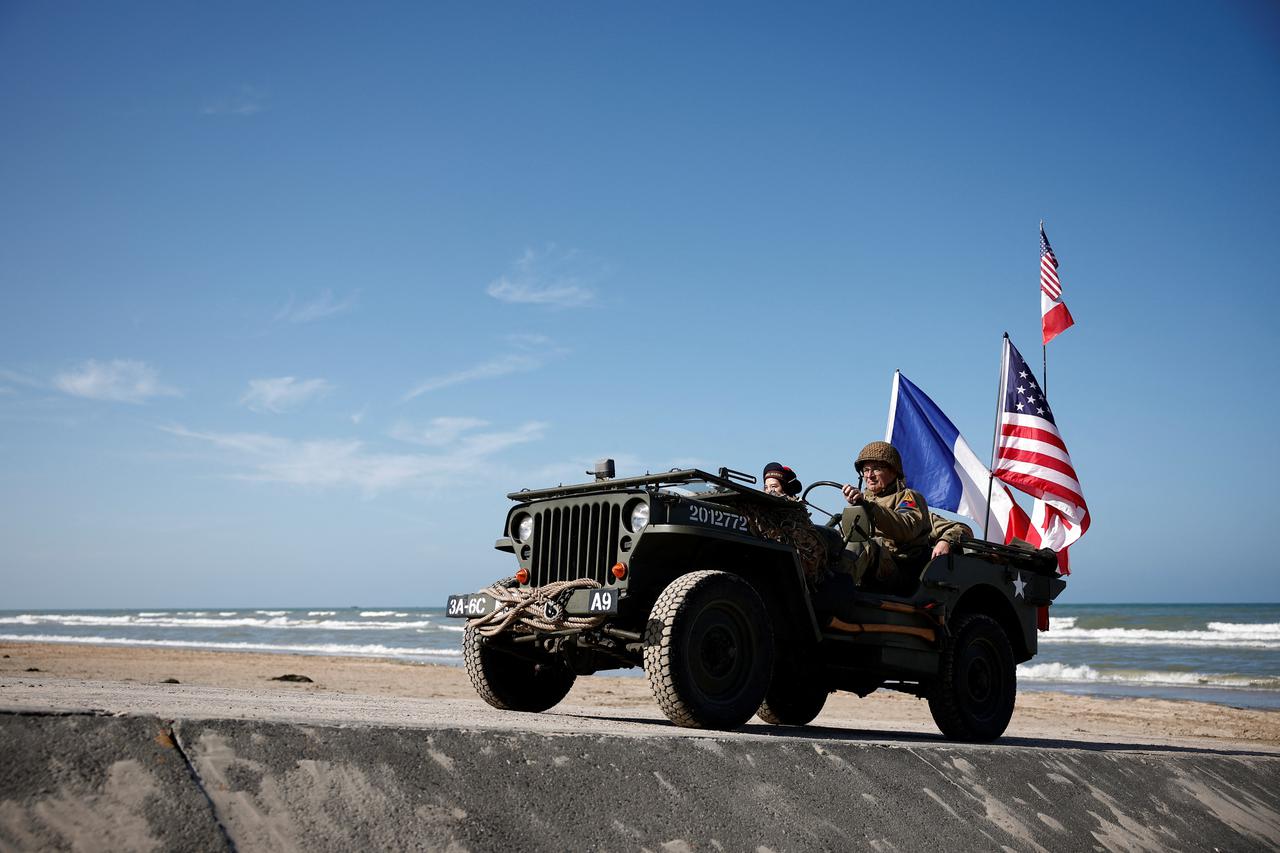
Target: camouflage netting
{"x":792,"y":526}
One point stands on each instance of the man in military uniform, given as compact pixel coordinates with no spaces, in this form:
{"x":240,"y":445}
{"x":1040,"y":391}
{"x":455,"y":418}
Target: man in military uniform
{"x":890,"y":561}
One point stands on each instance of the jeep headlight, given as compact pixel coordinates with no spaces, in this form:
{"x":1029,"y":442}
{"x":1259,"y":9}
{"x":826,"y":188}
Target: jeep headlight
{"x":522,"y":528}
{"x":639,"y":517}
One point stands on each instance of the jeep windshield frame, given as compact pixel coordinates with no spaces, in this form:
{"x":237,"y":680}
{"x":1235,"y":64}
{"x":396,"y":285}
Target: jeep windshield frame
{"x":674,"y":477}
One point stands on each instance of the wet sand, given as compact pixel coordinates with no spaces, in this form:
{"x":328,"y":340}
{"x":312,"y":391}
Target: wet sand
{"x":1039,"y":715}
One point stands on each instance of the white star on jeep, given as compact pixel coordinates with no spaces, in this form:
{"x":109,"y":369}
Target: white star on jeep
{"x":1019,"y":585}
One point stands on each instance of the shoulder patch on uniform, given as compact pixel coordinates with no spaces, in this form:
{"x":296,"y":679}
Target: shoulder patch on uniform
{"x":907,"y":503}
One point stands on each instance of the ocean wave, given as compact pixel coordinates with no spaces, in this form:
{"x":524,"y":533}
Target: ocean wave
{"x":227,"y":612}
{"x":271,"y":612}
{"x":70,"y":619}
{"x":1250,"y":629}
{"x":337,"y":649}
{"x":156,"y":613}
{"x":1218,"y":634}
{"x":280,"y":622}
{"x":1057,"y":672}
{"x":377,"y":613}
{"x":1087,"y":674}
{"x":1061,"y":623}
{"x":322,"y":613}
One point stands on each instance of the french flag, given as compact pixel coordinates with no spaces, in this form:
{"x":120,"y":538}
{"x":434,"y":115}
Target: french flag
{"x":938,"y":463}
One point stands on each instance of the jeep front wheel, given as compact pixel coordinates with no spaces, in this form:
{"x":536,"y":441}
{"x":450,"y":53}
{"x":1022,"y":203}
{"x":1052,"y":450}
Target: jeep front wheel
{"x":708,"y":650}
{"x":977,"y":681}
{"x":513,"y":683}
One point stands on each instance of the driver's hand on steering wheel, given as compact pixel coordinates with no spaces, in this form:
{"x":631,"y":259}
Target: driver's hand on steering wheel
{"x":851,"y":494}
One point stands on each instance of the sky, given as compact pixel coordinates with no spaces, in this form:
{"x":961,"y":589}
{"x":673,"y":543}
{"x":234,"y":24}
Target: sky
{"x":293,"y":294}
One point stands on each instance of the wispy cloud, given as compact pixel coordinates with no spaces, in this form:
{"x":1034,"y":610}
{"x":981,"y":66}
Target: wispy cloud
{"x":282,"y":393}
{"x":484,"y":444}
{"x":20,"y":378}
{"x":352,"y":463}
{"x":439,"y":432}
{"x":120,"y":380}
{"x":467,"y":438}
{"x":254,"y":444}
{"x":501,"y":366}
{"x":530,"y":353}
{"x":551,"y":277}
{"x":325,"y":305}
{"x":561,"y":295}
{"x":249,"y":100}
{"x":529,"y":341}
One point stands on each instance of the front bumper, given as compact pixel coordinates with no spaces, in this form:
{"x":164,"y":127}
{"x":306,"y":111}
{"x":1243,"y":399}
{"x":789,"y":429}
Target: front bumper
{"x":581,"y":602}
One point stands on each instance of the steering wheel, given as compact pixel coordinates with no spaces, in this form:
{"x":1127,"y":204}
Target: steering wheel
{"x":834,"y":517}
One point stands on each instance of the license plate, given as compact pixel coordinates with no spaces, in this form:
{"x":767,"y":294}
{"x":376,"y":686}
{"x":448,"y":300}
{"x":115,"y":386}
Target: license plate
{"x":602,"y":601}
{"x":468,"y":606}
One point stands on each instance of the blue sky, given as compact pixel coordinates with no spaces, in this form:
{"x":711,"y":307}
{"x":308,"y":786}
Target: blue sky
{"x":294,"y":294}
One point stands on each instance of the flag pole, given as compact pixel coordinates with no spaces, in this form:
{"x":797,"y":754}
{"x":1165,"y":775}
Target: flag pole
{"x":995,"y":432}
{"x":893,"y":406}
{"x":1044,"y":348}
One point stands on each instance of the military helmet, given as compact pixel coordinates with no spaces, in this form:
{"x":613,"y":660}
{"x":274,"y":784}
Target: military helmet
{"x":879,"y":451}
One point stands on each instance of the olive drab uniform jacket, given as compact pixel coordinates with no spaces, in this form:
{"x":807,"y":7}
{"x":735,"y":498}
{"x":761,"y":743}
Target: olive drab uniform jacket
{"x":901,"y":519}
{"x":902,"y":530}
{"x":944,"y":529}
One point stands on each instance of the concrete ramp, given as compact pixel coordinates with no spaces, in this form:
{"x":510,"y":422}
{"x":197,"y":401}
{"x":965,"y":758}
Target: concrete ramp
{"x":85,"y":782}
{"x":81,"y":782}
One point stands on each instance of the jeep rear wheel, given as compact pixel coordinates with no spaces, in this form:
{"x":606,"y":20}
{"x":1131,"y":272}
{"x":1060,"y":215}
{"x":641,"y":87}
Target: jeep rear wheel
{"x":795,"y":697}
{"x":977,"y":681}
{"x":513,"y":683}
{"x":708,"y":650}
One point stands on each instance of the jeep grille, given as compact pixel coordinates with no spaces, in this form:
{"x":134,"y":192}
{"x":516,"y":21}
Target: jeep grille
{"x":574,"y":542}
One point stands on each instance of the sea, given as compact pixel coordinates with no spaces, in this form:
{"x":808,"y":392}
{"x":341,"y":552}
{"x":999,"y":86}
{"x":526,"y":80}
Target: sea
{"x":1223,"y":653}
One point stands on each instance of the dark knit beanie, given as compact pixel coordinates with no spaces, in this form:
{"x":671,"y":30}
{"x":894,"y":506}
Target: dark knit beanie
{"x":790,"y":485}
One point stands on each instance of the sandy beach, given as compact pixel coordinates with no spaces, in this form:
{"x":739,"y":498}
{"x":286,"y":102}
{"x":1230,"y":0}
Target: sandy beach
{"x":1039,"y":715}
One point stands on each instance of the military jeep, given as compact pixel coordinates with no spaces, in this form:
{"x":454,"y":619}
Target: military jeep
{"x":721,"y":593}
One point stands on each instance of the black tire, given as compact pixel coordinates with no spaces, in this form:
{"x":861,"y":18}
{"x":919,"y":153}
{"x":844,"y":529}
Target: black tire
{"x":794,"y":698}
{"x":513,"y":683}
{"x":977,"y":681}
{"x":708,"y":651}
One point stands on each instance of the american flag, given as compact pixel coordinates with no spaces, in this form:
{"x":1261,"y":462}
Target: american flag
{"x":1031,"y":456}
{"x":1048,"y":268}
{"x":1054,"y":316}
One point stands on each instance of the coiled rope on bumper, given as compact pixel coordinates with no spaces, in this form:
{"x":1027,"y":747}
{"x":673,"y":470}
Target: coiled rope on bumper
{"x":527,"y":610}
